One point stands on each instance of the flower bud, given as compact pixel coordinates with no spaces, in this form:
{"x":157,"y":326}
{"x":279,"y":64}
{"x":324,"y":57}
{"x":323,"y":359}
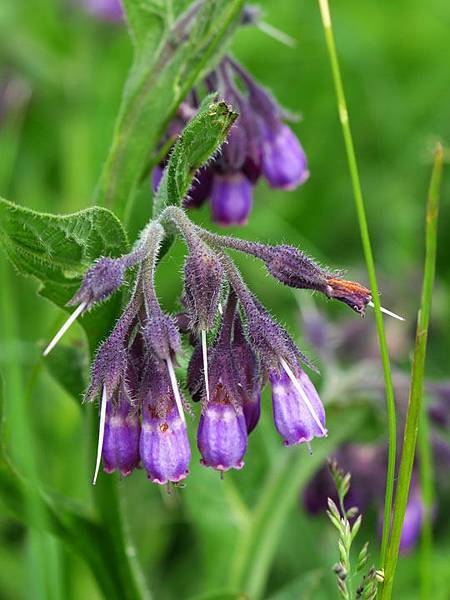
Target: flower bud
{"x":100,"y":281}
{"x":284,"y":162}
{"x":222,"y":435}
{"x":164,"y":444}
{"x":231,"y":199}
{"x":203,"y":278}
{"x":297,"y":409}
{"x":353,"y":294}
{"x":121,"y":438}
{"x":161,"y":334}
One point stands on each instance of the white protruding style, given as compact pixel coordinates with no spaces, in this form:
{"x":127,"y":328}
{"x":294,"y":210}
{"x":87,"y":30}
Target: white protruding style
{"x":205,"y":362}
{"x":305,"y":398}
{"x":176,"y":391}
{"x":276,"y":34}
{"x":73,"y":317}
{"x":386,"y":311}
{"x":101,"y":434}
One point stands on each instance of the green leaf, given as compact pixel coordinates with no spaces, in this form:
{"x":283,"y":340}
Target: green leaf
{"x":199,"y":140}
{"x":61,"y":518}
{"x":58,"y":249}
{"x":147,"y":21}
{"x":161,"y":76}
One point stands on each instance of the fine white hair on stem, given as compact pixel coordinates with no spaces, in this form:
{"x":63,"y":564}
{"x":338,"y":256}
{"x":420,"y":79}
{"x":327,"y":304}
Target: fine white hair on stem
{"x":276,"y":34}
{"x":386,"y":312}
{"x":176,"y":391}
{"x":303,"y":395}
{"x":76,"y":313}
{"x":205,"y":362}
{"x":101,"y":434}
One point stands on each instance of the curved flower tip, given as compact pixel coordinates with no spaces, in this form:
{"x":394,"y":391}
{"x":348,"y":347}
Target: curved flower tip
{"x":284,"y":163}
{"x":231,"y":199}
{"x":355,"y":295}
{"x":222,"y":437}
{"x":164,"y":446}
{"x":121,"y":439}
{"x":297,"y":409}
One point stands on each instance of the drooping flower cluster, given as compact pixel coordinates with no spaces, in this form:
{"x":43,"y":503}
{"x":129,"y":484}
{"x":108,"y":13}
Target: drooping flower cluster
{"x":142,"y":415}
{"x":260,"y":144}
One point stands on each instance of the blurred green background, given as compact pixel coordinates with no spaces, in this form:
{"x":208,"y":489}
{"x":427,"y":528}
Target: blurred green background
{"x":69,"y":70}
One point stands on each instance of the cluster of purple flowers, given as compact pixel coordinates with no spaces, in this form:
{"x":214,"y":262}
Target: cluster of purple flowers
{"x":367,"y":462}
{"x":260,"y":144}
{"x":143,"y":409}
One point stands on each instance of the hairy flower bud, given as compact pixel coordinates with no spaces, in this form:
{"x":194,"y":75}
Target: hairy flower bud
{"x":203,"y":278}
{"x":297,"y":409}
{"x":161,"y":334}
{"x":353,"y":294}
{"x":121,"y":438}
{"x":100,"y":281}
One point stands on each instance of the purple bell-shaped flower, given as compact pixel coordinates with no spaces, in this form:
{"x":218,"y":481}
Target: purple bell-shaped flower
{"x":164,"y":444}
{"x":297,"y":409}
{"x":284,"y":162}
{"x":121,"y":439}
{"x":222,"y":435}
{"x":231,"y":199}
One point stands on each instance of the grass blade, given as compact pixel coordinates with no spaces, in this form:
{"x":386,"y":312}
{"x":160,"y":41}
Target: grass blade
{"x":367,"y":247}
{"x":417,"y":377}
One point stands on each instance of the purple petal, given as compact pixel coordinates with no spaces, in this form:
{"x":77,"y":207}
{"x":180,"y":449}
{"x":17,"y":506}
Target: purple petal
{"x":284,"y":162}
{"x":231,"y":199}
{"x":222,"y":437}
{"x":292,"y":417}
{"x":121,"y":442}
{"x":164,"y":446}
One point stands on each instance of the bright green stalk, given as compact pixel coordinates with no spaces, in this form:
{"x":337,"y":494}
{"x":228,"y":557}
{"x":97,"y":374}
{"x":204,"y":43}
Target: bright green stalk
{"x":426,"y":473}
{"x":365,"y":238}
{"x":417,"y":377}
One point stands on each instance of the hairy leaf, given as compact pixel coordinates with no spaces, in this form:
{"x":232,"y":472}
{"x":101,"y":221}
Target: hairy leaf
{"x":200,"y":139}
{"x":58,"y":249}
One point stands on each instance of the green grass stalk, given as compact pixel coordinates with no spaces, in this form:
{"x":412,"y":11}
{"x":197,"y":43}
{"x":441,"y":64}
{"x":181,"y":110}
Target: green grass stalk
{"x":367,"y":248}
{"x":417,"y":378}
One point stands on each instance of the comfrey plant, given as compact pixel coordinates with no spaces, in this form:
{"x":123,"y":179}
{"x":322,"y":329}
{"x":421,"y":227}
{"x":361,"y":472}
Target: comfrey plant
{"x":142,"y":415}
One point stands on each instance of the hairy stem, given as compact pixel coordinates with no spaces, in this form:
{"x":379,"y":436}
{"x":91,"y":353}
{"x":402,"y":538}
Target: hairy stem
{"x":417,"y":377}
{"x":370,"y":264}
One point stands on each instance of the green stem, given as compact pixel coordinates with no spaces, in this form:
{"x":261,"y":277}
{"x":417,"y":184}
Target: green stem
{"x":417,"y":377}
{"x":365,"y":238}
{"x":259,"y":540}
{"x":426,"y":476}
